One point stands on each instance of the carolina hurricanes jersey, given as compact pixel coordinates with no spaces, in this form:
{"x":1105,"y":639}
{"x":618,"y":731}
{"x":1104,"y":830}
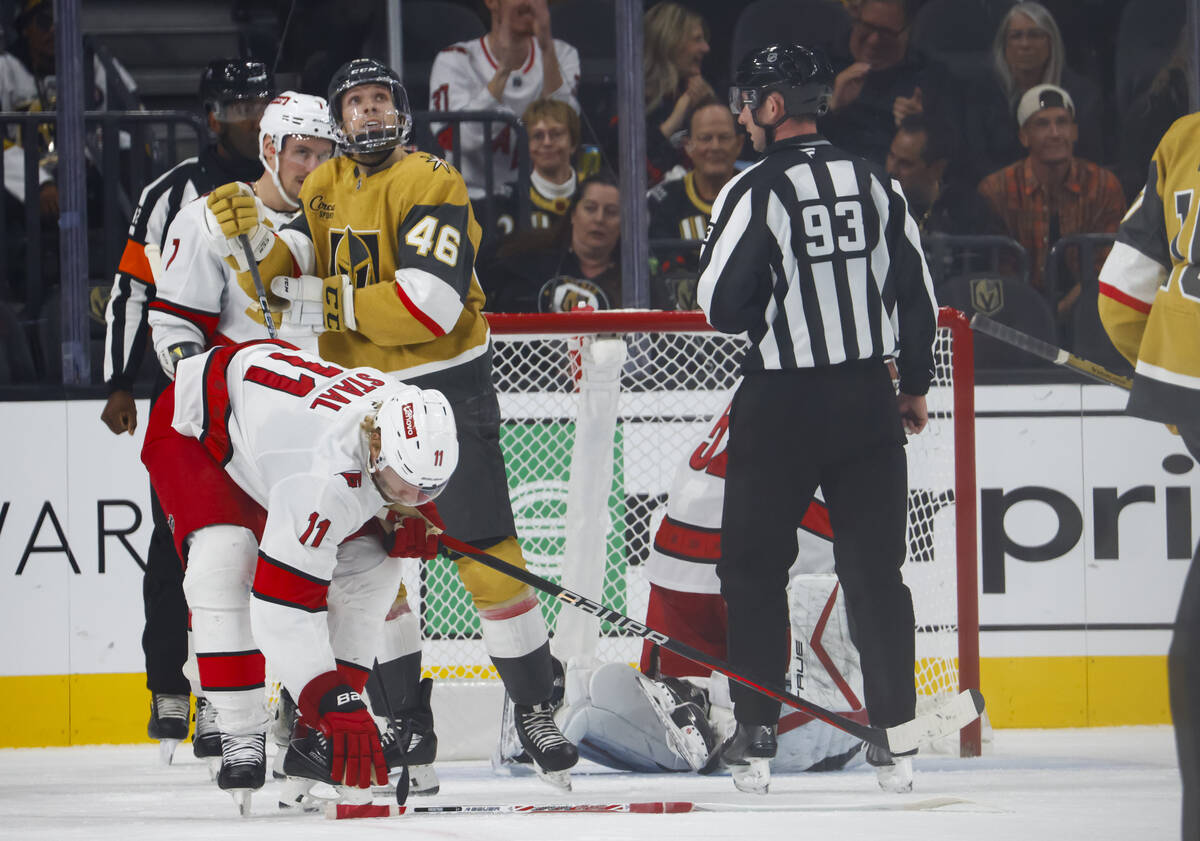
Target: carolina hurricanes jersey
{"x":286,"y":426}
{"x":458,"y":82}
{"x":407,"y":237}
{"x":687,"y":544}
{"x":677,"y":211}
{"x":201,"y":299}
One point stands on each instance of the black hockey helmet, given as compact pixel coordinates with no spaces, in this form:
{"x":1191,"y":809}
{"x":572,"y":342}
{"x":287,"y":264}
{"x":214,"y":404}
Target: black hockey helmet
{"x":802,"y":75}
{"x":228,"y":80}
{"x":368,"y":71}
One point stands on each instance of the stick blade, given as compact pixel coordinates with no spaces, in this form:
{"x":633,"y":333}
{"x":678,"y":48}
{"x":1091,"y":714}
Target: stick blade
{"x":944,"y":720}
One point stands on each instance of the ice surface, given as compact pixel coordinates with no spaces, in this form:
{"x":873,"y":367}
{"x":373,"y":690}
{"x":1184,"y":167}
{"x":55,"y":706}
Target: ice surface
{"x":1032,"y":785}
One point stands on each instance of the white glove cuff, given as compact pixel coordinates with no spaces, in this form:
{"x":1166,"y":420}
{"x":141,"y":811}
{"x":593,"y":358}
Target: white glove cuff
{"x":348,"y":304}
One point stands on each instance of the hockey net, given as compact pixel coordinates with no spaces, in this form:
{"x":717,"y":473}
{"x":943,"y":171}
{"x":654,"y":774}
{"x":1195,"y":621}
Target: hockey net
{"x":592,"y":432}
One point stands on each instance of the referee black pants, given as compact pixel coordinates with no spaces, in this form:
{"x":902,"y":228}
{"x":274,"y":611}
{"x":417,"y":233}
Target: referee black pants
{"x":837,"y":427}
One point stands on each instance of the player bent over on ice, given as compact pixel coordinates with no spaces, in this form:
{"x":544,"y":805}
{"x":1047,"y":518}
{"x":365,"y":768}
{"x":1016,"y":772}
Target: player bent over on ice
{"x":383,"y":256}
{"x":292,"y":487}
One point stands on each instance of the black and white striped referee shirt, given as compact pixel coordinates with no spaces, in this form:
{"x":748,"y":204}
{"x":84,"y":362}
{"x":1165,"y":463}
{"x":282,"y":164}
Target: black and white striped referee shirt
{"x":133,"y":286}
{"x":813,"y":254}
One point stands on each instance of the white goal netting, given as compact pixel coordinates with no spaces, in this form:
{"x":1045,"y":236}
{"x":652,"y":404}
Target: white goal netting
{"x":674,"y":374}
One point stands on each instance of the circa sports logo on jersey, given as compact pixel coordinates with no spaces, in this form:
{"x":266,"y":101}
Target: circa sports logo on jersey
{"x":355,"y":254}
{"x":318,"y":205}
{"x":410,"y":422}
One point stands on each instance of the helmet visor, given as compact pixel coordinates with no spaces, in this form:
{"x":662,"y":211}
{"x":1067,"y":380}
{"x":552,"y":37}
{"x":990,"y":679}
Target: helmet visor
{"x":240,"y":110}
{"x":740,"y":98}
{"x":396,"y":489}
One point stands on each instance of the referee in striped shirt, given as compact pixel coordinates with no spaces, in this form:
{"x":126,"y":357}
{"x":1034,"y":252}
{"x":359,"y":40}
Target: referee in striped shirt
{"x":812,"y":253}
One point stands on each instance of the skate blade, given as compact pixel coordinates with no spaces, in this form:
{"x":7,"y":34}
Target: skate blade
{"x":296,"y":795}
{"x":754,"y":777}
{"x":560,"y":780}
{"x":687,"y":744}
{"x":896,"y":778}
{"x":241,"y":799}
{"x":422,"y":781}
{"x":214,"y":767}
{"x":166,"y":750}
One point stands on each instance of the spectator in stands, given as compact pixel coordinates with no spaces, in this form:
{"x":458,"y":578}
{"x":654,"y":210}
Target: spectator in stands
{"x":919,"y":158}
{"x":553,"y":130}
{"x":575,"y":264}
{"x":679,"y":209}
{"x":516,"y":62}
{"x":1052,"y":193}
{"x":1151,"y":114}
{"x":1027,"y":51}
{"x":880,"y":80}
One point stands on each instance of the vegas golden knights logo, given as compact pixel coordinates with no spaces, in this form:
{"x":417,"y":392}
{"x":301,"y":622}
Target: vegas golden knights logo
{"x":987,"y":295}
{"x":356,"y":255}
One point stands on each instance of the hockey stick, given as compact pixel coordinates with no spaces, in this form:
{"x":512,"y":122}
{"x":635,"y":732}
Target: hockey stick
{"x":946,"y":719}
{"x":258,"y":285}
{"x":342,"y":811}
{"x":1047,"y":351}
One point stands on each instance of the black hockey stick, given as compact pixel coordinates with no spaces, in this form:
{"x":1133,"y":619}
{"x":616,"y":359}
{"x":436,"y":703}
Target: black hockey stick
{"x":946,"y":719}
{"x":1048,"y":351}
{"x":258,"y":285}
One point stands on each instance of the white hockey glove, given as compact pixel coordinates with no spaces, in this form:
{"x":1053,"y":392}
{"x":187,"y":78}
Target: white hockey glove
{"x":232,"y":211}
{"x":319,"y":303}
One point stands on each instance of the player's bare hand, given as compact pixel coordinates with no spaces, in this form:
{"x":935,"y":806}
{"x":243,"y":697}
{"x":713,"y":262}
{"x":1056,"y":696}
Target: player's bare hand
{"x":848,"y":84}
{"x":120,"y":413}
{"x":914,"y":414}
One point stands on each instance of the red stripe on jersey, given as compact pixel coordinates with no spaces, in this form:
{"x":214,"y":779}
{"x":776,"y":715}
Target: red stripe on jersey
{"x":277,"y":582}
{"x":354,"y":674}
{"x":232,"y":671}
{"x":135,"y":263}
{"x":532,"y":56}
{"x":487,"y":53}
{"x":1120,"y":297}
{"x":205,"y":321}
{"x":816,"y":520}
{"x":429,"y":323}
{"x":688,"y":542}
{"x":215,"y":437}
{"x":824,"y":657}
{"x":509,"y":611}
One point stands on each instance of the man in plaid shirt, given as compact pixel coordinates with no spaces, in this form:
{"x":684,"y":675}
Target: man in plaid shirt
{"x":1052,"y":193}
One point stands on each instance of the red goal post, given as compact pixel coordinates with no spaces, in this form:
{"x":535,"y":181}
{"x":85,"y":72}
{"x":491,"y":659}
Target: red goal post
{"x":592,"y":432}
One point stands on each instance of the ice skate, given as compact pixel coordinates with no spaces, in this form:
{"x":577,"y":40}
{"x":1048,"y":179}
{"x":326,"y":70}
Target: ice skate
{"x":206,"y":740}
{"x":168,"y":722}
{"x":307,"y":763}
{"x":748,"y":753}
{"x":243,"y":767}
{"x":553,"y":756}
{"x":416,"y":723}
{"x":688,"y":732}
{"x":893,"y":773}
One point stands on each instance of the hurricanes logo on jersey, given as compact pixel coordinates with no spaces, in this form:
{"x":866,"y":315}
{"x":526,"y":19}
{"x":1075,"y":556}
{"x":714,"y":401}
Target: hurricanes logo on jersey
{"x":355,"y":254}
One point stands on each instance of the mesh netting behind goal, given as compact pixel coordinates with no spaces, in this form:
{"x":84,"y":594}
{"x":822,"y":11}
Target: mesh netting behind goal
{"x":640,"y":416}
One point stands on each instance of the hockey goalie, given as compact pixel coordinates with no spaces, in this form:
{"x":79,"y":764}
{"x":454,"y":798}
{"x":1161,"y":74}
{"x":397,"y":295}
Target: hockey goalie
{"x":672,"y":714}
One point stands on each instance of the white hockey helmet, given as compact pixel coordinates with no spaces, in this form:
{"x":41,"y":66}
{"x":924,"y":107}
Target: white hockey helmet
{"x":418,"y":445}
{"x":292,"y":113}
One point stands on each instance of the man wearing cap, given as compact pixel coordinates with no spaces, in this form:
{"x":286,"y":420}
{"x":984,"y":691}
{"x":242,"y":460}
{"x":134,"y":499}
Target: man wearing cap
{"x":1052,"y":193}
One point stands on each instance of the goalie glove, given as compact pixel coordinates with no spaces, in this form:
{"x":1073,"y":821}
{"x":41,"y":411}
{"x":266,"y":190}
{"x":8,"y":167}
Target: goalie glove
{"x":232,"y":211}
{"x":341,"y":715}
{"x":326,"y":303}
{"x":417,"y":536}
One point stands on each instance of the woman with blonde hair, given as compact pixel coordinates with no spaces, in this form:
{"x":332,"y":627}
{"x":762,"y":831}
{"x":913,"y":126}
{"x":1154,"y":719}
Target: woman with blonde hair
{"x":675,"y":44}
{"x":1027,"y":51}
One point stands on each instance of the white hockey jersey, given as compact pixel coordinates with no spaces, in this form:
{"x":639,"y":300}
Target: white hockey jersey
{"x":458,"y":82}
{"x":286,"y":426}
{"x":687,"y":543}
{"x":199,"y":298}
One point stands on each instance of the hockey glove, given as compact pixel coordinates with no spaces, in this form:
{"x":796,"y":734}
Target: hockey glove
{"x":417,"y":537}
{"x":318,"y":302}
{"x":353,"y":737}
{"x":233,"y":212}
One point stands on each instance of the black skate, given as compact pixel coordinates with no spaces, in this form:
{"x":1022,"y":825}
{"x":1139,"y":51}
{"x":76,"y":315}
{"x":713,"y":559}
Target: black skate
{"x":243,"y":767}
{"x":168,"y":722}
{"x":206,"y":741}
{"x":748,"y":753}
{"x":552,"y":754}
{"x":416,"y":725}
{"x":308,"y":761}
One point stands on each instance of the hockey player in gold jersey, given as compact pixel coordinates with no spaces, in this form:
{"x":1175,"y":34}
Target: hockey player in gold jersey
{"x":383,"y":259}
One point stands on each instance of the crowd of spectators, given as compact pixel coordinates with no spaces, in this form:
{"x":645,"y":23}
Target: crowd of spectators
{"x":1015,"y":144}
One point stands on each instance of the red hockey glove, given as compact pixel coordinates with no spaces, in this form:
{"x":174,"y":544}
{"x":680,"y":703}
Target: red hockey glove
{"x":352,"y":734}
{"x":417,"y":537}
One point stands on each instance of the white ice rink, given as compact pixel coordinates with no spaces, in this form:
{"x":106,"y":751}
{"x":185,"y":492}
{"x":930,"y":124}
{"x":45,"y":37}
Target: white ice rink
{"x":1099,"y":784}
